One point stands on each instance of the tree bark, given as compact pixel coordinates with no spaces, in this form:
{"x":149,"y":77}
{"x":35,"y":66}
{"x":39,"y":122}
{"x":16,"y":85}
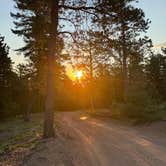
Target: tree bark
{"x":124,"y":74}
{"x":50,"y":97}
{"x":124,"y":62}
{"x":91,"y":81}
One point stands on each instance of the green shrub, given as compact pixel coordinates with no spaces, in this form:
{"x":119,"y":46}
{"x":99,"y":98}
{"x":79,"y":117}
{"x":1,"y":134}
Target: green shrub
{"x":139,"y":106}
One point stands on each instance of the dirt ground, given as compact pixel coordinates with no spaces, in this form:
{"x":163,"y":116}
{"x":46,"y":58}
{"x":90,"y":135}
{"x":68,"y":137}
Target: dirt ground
{"x":85,"y":141}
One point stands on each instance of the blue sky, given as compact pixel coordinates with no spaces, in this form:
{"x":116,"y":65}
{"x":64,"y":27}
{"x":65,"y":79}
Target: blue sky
{"x":155,"y":10}
{"x":14,"y":42}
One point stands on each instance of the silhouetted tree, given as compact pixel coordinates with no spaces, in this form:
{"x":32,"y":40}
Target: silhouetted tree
{"x":122,"y":25}
{"x":6,"y":78}
{"x":156,"y":75}
{"x":47,"y":38}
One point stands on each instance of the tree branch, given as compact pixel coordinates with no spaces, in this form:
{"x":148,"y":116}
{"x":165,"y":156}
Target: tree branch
{"x":69,"y":33}
{"x":77,"y":7}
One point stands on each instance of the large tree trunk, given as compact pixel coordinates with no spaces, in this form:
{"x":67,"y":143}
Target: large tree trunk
{"x":50,"y":98}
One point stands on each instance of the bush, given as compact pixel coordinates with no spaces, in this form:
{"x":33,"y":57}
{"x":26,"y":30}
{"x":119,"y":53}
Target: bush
{"x":139,"y":106}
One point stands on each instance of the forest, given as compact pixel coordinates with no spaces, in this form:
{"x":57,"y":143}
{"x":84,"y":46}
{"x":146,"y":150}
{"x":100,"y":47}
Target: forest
{"x":88,"y":55}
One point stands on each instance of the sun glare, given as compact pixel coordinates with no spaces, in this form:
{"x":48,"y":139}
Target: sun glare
{"x":75,"y":74}
{"x":79,"y":74}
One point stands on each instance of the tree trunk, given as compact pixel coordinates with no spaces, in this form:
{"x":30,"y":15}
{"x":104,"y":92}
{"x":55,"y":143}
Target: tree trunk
{"x":50,"y":98}
{"x":124,"y":63}
{"x":28,"y":111}
{"x":124,"y":76}
{"x":91,"y":81}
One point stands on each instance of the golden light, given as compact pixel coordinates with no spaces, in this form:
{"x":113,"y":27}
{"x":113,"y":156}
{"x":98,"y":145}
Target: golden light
{"x":83,"y":117}
{"x":79,"y":74}
{"x":75,"y":74}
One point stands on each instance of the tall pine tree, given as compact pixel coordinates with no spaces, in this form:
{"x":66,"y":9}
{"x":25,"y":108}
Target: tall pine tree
{"x":53,"y":13}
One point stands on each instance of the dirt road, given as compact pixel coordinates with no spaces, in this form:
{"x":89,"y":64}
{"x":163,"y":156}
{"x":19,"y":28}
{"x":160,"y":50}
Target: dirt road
{"x":88,"y":141}
{"x":111,"y":144}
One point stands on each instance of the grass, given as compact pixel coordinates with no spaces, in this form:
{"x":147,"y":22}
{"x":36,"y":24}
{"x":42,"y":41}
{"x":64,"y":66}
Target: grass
{"x":16,"y":133}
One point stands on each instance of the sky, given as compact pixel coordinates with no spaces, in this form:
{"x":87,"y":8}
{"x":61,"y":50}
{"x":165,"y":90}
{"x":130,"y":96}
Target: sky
{"x":155,"y":10}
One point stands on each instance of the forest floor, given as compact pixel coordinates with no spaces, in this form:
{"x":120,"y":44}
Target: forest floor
{"x":82,"y":140}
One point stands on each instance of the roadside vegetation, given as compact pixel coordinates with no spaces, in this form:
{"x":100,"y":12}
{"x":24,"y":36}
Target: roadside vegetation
{"x":18,"y":137}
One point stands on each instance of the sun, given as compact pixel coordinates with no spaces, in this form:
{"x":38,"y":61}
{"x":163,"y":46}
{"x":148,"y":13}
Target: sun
{"x":79,"y":74}
{"x":75,"y":74}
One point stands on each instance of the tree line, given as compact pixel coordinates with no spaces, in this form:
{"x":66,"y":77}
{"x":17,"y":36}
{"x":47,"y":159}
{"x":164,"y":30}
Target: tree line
{"x":104,"y":38}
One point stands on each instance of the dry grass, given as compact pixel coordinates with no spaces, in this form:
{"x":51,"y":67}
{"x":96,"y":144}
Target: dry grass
{"x":17,"y":137}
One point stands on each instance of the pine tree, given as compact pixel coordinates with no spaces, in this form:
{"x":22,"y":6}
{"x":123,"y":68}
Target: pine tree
{"x":123,"y":24}
{"x":156,"y":74}
{"x":5,"y":77}
{"x":39,"y":24}
{"x":5,"y":64}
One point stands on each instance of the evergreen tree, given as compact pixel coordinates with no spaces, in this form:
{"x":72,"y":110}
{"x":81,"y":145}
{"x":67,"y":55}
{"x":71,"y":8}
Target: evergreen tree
{"x":156,"y":75}
{"x":122,"y":25}
{"x":51,"y":13}
{"x":5,"y":78}
{"x":5,"y":64}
